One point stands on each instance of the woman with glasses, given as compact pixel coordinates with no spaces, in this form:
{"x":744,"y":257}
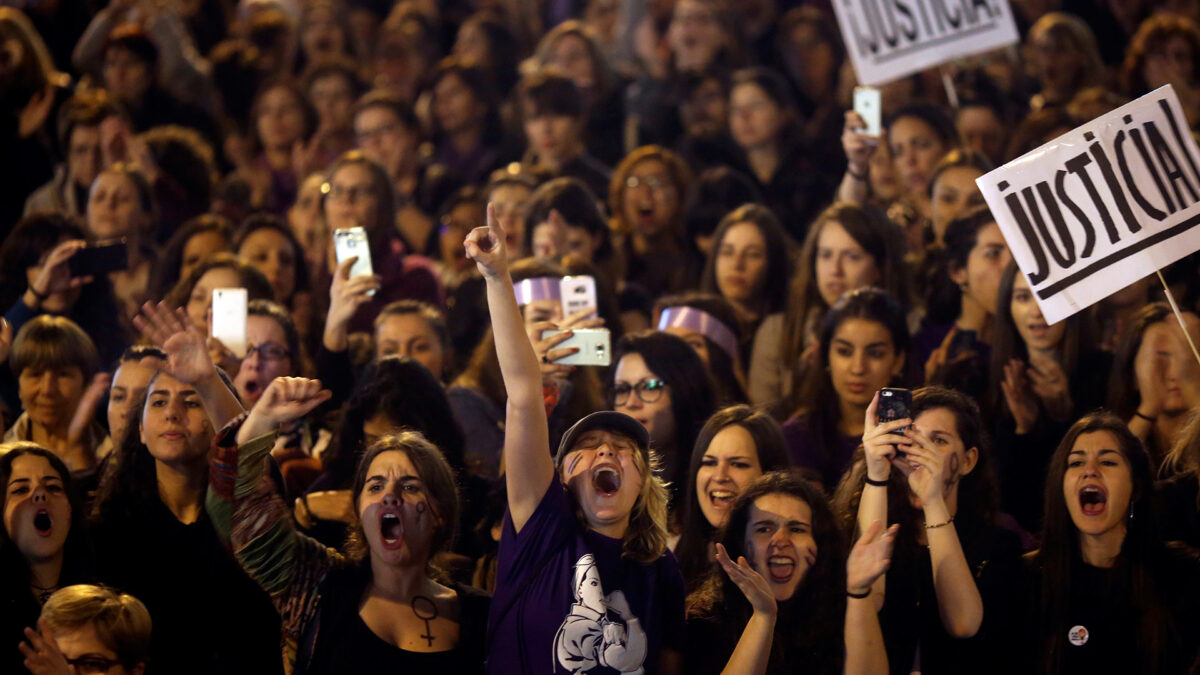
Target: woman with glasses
{"x":89,"y":630}
{"x":273,"y":349}
{"x":660,"y":381}
{"x":360,"y":194}
{"x":645,"y":198}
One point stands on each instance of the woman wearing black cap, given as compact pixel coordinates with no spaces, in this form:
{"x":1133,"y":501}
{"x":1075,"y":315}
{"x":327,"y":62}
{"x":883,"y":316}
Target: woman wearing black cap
{"x":584,"y":578}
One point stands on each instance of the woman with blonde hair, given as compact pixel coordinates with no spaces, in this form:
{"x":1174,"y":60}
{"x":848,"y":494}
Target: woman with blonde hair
{"x":89,"y":629}
{"x":584,"y":576}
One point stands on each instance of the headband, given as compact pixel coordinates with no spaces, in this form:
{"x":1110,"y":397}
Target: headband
{"x":537,"y":288}
{"x":702,"y":322}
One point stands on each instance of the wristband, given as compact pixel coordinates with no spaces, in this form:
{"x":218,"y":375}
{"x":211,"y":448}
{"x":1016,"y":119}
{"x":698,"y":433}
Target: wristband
{"x":1136,"y":413}
{"x":858,"y":596}
{"x":937,"y":525}
{"x":876,"y":483}
{"x":39,"y":296}
{"x":860,"y":177}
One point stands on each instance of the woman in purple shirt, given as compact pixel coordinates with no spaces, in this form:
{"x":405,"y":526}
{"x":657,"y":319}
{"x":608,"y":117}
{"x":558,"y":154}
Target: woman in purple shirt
{"x":584,"y":581}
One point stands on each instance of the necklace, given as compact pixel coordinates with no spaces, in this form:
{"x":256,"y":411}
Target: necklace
{"x":43,"y":593}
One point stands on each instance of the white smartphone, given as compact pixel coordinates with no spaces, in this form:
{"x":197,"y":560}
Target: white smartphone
{"x":578,"y":293}
{"x":350,"y":242}
{"x":595,"y":347}
{"x":229,"y":319}
{"x":869,"y":105}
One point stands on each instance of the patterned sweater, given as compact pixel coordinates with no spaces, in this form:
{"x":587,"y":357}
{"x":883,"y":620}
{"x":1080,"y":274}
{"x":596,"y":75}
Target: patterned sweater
{"x":249,"y":515}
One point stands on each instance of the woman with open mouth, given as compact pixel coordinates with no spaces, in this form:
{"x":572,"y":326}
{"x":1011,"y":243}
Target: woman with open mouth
{"x":584,"y":578}
{"x":381,"y":602}
{"x":785,"y":588}
{"x":735,"y":446}
{"x":947,"y":599}
{"x":1042,"y":377}
{"x":1106,"y":594}
{"x":43,"y":545}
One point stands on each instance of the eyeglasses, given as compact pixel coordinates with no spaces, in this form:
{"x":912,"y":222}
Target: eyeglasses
{"x":652,"y":182}
{"x":268,"y":352}
{"x":648,"y":390}
{"x":92,"y":665}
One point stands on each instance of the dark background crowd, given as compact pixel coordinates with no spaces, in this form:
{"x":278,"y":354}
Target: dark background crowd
{"x":397,"y":469}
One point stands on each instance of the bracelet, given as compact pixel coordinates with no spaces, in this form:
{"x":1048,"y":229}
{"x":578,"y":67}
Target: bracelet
{"x":39,"y":296}
{"x":876,"y":483}
{"x":937,"y":525}
{"x":1138,"y":413}
{"x":860,"y":177}
{"x":858,"y":596}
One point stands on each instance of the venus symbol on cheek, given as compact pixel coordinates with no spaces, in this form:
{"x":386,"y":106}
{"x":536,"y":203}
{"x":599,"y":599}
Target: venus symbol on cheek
{"x":420,"y":508}
{"x":954,"y":464}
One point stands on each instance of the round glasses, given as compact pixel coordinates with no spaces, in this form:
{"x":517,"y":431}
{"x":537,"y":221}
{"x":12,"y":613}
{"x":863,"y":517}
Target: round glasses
{"x":648,"y":390}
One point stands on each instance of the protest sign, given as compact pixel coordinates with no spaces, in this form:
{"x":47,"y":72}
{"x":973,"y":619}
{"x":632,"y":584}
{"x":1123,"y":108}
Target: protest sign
{"x":1101,"y":206}
{"x":888,"y":39}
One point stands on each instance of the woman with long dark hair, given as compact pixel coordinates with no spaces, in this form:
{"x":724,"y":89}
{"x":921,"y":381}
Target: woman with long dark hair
{"x":44,"y":544}
{"x":735,"y":446}
{"x":946,"y":592}
{"x":1042,"y":376}
{"x":159,"y":543}
{"x":1107,"y":593}
{"x":749,"y":266}
{"x":763,"y":123}
{"x":658,"y":380}
{"x":847,"y":248}
{"x":864,"y":344}
{"x":786,"y":588}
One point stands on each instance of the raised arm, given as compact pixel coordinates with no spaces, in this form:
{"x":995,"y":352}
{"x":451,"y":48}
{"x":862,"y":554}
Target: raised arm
{"x":959,"y":604}
{"x":753,"y":650}
{"x":879,"y":450}
{"x":252,"y":519}
{"x":868,"y":561}
{"x":856,"y":186}
{"x":188,"y":359}
{"x":528,"y":466}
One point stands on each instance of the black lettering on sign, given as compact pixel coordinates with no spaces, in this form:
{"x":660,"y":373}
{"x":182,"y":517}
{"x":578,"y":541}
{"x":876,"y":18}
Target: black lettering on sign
{"x":1077,"y":167}
{"x":1031,"y":238}
{"x":1171,"y":166}
{"x":1051,"y":216}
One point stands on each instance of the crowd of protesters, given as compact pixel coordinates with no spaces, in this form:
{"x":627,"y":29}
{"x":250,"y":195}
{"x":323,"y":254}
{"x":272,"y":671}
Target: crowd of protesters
{"x":416,"y":467}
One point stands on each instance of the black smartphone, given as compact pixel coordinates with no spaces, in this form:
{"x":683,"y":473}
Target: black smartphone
{"x":894,"y":404}
{"x":102,"y":257}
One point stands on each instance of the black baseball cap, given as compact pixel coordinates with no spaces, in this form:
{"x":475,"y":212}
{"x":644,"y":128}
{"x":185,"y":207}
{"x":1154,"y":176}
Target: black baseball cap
{"x":606,"y":420}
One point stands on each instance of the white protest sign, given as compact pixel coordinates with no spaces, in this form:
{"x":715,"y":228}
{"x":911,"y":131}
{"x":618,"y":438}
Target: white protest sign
{"x":1101,"y":206}
{"x":888,"y":39}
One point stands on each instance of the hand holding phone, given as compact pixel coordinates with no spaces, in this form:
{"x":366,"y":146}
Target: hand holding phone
{"x":352,"y":242}
{"x":229,"y":319}
{"x":100,"y":258}
{"x":594,"y":344}
{"x":869,"y":105}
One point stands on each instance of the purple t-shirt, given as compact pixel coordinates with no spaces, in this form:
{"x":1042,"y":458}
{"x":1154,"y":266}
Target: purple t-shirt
{"x":567,"y":602}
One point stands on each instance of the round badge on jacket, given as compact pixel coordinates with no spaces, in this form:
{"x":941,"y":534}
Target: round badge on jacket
{"x":1078,"y":635}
